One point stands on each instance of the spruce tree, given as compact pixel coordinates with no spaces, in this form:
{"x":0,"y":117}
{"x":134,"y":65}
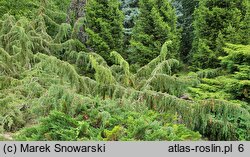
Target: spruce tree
{"x":156,"y":24}
{"x":131,"y":11}
{"x":217,"y":22}
{"x":104,"y":26}
{"x":185,"y":10}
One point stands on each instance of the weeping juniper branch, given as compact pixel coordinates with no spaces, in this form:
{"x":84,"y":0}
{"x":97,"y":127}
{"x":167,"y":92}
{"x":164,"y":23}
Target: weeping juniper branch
{"x":63,"y":33}
{"x":220,"y":119}
{"x":79,"y":30}
{"x":124,"y":65}
{"x":103,"y":74}
{"x":7,"y":66}
{"x":166,"y":84}
{"x":148,"y":69}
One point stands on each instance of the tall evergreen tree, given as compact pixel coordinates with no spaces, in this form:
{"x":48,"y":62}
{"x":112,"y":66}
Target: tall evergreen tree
{"x":185,"y":10}
{"x":217,"y":22}
{"x":104,"y":26}
{"x":156,"y":24}
{"x":131,"y":12}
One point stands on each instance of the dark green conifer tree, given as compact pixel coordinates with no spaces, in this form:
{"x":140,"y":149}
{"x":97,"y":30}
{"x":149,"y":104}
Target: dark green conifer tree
{"x":217,"y":22}
{"x":156,"y":24}
{"x":104,"y":26}
{"x":185,"y":10}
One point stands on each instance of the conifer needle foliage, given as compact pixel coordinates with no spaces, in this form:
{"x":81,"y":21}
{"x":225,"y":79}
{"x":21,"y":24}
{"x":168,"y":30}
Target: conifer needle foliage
{"x":73,"y":80}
